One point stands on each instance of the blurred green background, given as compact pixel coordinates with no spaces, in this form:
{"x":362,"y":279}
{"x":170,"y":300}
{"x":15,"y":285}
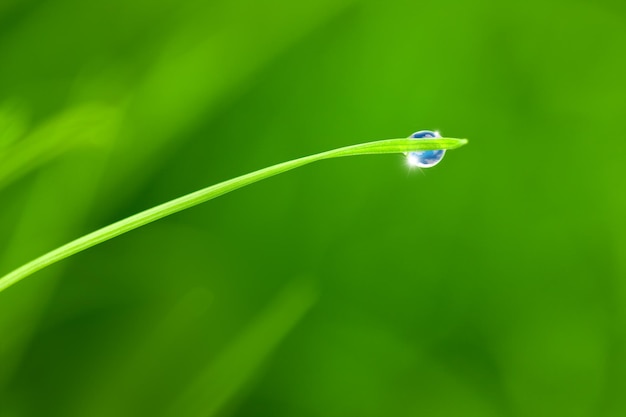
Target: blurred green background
{"x":491,"y":285}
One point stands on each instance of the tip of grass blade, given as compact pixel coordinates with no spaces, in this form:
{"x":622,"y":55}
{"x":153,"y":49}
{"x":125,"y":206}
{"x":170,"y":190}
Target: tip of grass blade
{"x":457,"y":142}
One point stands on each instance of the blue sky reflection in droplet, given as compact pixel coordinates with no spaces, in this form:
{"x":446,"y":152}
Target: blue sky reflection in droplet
{"x":425,"y":159}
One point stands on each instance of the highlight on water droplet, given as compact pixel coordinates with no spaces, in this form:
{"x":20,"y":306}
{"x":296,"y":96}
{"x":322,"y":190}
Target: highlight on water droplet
{"x":425,"y":159}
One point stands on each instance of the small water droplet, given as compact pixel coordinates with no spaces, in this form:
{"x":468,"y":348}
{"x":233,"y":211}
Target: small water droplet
{"x":425,"y":159}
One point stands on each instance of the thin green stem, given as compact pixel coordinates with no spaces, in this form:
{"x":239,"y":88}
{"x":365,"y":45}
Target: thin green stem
{"x":209,"y":193}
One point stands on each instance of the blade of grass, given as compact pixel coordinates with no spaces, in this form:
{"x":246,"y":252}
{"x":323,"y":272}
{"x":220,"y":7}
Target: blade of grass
{"x":120,"y":384}
{"x":224,"y":379}
{"x":205,"y":194}
{"x":76,"y":127}
{"x":13,"y":124}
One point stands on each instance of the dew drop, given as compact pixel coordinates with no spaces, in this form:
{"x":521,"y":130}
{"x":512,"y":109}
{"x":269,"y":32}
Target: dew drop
{"x":425,"y":159}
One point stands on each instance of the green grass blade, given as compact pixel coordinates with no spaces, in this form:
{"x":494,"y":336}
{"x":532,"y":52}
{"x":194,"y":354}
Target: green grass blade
{"x":221,"y":382}
{"x":74,"y":128}
{"x":13,"y":124}
{"x":205,"y":194}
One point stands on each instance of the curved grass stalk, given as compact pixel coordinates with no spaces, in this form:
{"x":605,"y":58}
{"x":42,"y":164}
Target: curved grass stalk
{"x":209,"y":193}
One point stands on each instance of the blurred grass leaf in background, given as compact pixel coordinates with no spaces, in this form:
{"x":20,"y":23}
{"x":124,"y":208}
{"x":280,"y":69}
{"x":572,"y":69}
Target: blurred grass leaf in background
{"x":107,"y":108}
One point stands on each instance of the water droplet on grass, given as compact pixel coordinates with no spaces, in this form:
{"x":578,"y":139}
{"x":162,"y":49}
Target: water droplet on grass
{"x":425,"y":159}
